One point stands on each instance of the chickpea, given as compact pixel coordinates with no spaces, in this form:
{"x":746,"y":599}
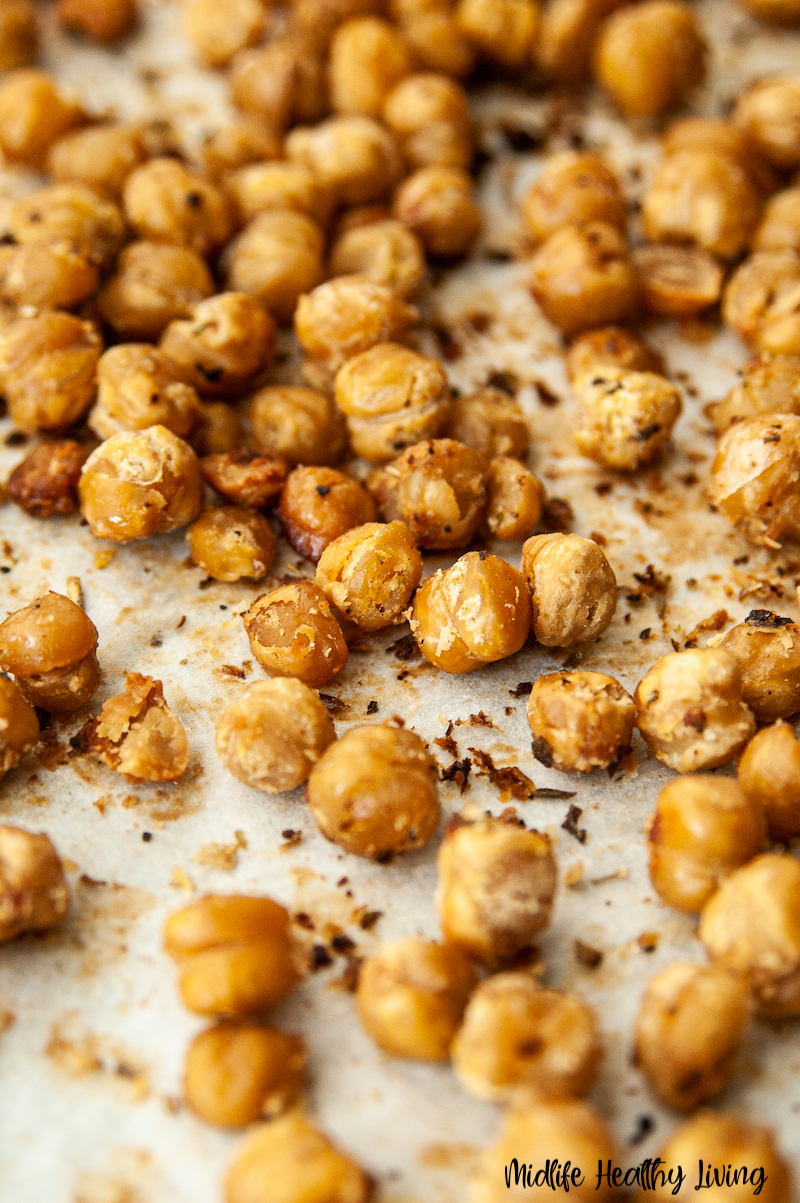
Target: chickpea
{"x":573,"y":589}
{"x":237,"y":1073}
{"x":137,"y":734}
{"x":232,"y":543}
{"x":221,"y":431}
{"x":18,"y":34}
{"x":33,"y":115}
{"x":689,"y":1025}
{"x":262,"y":187}
{"x":280,"y":83}
{"x":411,"y":997}
{"x":768,"y":114}
{"x":236,"y":954}
{"x":19,"y":726}
{"x":47,"y":276}
{"x":767,"y":649}
{"x":348,"y":315}
{"x":439,"y":43}
{"x":289,"y":1160}
{"x":368,"y":57}
{"x":47,"y":370}
{"x":73,"y":214}
{"x":385,"y":252}
{"x":514,"y":499}
{"x":100,"y":20}
{"x":678,"y":281}
{"x":217,"y":34}
{"x":354,"y":157}
{"x":650,"y":57}
{"x":227,"y":341}
{"x":429,"y":115}
{"x":370,"y":574}
{"x":276,"y":258}
{"x":504,"y":31}
{"x":761,"y":301}
{"x":34,"y":894}
{"x":691,"y":711}
{"x":51,"y":648}
{"x":318,"y":505}
{"x":490,"y":422}
{"x":753,"y":477}
{"x":610,"y":347}
{"x":154,"y":284}
{"x":165,"y":202}
{"x":726,"y":139}
{"x":770,"y":385}
{"x":780,"y":224}
{"x":583,"y":277}
{"x":138,"y":387}
{"x":496,"y":887}
{"x":293,"y":633}
{"x":392,"y":397}
{"x":580,"y":721}
{"x":776,"y":12}
{"x":769,"y":773}
{"x":245,"y":477}
{"x":567,"y":37}
{"x":437,"y":488}
{"x":625,"y":418}
{"x":703,"y":828}
{"x":518,"y":1040}
{"x":573,"y":188}
{"x":437,"y":204}
{"x":100,"y":157}
{"x":138,"y":483}
{"x":300,"y":425}
{"x":237,"y":144}
{"x":45,"y":482}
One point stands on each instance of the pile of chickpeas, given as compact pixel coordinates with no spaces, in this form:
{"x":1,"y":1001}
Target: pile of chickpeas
{"x":144,"y":295}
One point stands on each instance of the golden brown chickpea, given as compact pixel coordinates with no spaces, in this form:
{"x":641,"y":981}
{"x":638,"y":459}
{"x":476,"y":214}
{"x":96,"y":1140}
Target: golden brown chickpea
{"x":272,"y":738}
{"x":318,"y":505}
{"x":761,"y":301}
{"x":753,"y":479}
{"x":276,"y":258}
{"x":100,"y":20}
{"x":725,"y":138}
{"x":567,"y":37}
{"x":18,"y":34}
{"x":767,"y":649}
{"x":472,"y":614}
{"x":232,"y":543}
{"x":245,"y":477}
{"x":355,"y":157}
{"x":217,"y":33}
{"x":411,"y":997}
{"x":290,"y":1161}
{"x":33,"y":889}
{"x":504,"y":31}
{"x":140,"y":482}
{"x":293,"y":633}
{"x":770,"y":385}
{"x":689,"y":1025}
{"x":429,"y":114}
{"x":573,"y":589}
{"x":583,"y":277}
{"x":691,"y":711}
{"x":137,"y":734}
{"x":368,"y":57}
{"x":236,"y":954}
{"x":580,"y":721}
{"x":71,"y":213}
{"x":33,"y":115}
{"x":625,"y":418}
{"x":573,"y":188}
{"x":769,"y":773}
{"x":300,"y":425}
{"x":496,"y":887}
{"x":437,"y":204}
{"x":227,"y":341}
{"x":373,"y":792}
{"x":776,"y":12}
{"x":370,"y":573}
{"x":768,"y":114}
{"x":439,"y":43}
{"x":101,"y":157}
{"x":48,"y":365}
{"x":518,"y":1041}
{"x":221,"y":430}
{"x":280,"y":83}
{"x":780,"y":224}
{"x":611,"y":347}
{"x":137,"y":387}
{"x":702,"y":829}
{"x":154,"y":284}
{"x":678,"y":281}
{"x":437,"y":488}
{"x":237,"y":1073}
{"x":392,"y":398}
{"x":261,"y":187}
{"x":46,"y":275}
{"x":165,"y":202}
{"x":650,"y":56}
{"x":348,"y":315}
{"x":385,"y":252}
{"x":514,"y":499}
{"x":50,"y":646}
{"x":19,"y":726}
{"x":234,"y":145}
{"x":45,"y":482}
{"x":491,"y":422}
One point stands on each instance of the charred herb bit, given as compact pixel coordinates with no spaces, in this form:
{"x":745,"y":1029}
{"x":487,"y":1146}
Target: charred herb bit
{"x":372,"y":707}
{"x":332,"y":704}
{"x":369,"y":919}
{"x":522,"y":690}
{"x":320,"y":958}
{"x":766,"y":618}
{"x":446,"y":742}
{"x":557,"y":515}
{"x":304,"y":920}
{"x":292,"y":838}
{"x":506,"y":381}
{"x":542,"y":751}
{"x":231,"y":670}
{"x":342,"y":945}
{"x":645,"y":634}
{"x":651,"y":584}
{"x":404,"y":649}
{"x":458,"y":772}
{"x":546,"y":395}
{"x":644,"y":1126}
{"x":587,"y":956}
{"x":570,"y":824}
{"x":511,"y":781}
{"x":545,"y":792}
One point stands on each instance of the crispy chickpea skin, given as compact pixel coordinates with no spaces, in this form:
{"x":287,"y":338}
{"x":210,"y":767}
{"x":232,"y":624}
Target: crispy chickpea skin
{"x":504,"y":31}
{"x":229,"y":339}
{"x":154,"y":284}
{"x":436,"y":203}
{"x":370,"y":574}
{"x":137,"y":734}
{"x":767,"y":650}
{"x":301,"y":425}
{"x":272,"y":738}
{"x":165,"y":202}
{"x":753,"y":481}
{"x":650,"y":56}
{"x":437,"y":488}
{"x":491,"y":422}
{"x":688,"y":1029}
{"x":47,"y":276}
{"x":245,"y":477}
{"x":48,"y":365}
{"x":50,"y":646}
{"x":573,"y":589}
{"x":580,"y":720}
{"x":355,"y":157}
{"x":140,"y":482}
{"x":73,"y":214}
{"x":368,"y":57}
{"x":101,"y":157}
{"x":46,"y":481}
{"x":217,"y":33}
{"x":768,"y":114}
{"x":497,"y":883}
{"x":703,"y":828}
{"x":236,"y":954}
{"x":33,"y":115}
{"x":770,"y":385}
{"x":385,"y":252}
{"x":293,"y":633}
{"x":19,"y":726}
{"x":514,"y":499}
{"x":18,"y":34}
{"x":318,"y":505}
{"x":430,"y":116}
{"x":100,"y":20}
{"x":276,"y":258}
{"x":691,"y":711}
{"x":678,"y":281}
{"x":625,"y":418}
{"x":232,"y":543}
{"x":762,"y":301}
{"x":573,"y":188}
{"x":610,"y":347}
{"x":137,"y":387}
{"x":392,"y":397}
{"x":264,"y":186}
{"x":33,"y":889}
{"x":289,"y":1161}
{"x":237,"y":1073}
{"x":411,"y":997}
{"x":518,"y":1041}
{"x":769,"y":773}
{"x":583,"y":277}
{"x":348,"y":315}
{"x":472,"y":614}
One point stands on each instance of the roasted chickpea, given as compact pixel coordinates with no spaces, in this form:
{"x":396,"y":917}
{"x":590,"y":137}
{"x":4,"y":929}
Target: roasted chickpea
{"x":237,"y":1073}
{"x":767,"y":649}
{"x":573,"y":188}
{"x":47,"y":369}
{"x":385,"y":252}
{"x":370,"y":573}
{"x":762,"y":304}
{"x":245,"y":477}
{"x":355,"y":157}
{"x":753,"y":479}
{"x":318,"y":505}
{"x":154,"y":284}
{"x":611,"y":347}
{"x":33,"y":115}
{"x":770,"y":385}
{"x":300,"y":425}
{"x":280,"y":83}
{"x":780,"y":224}
{"x":768,"y":114}
{"x":348,"y":315}
{"x":101,"y":157}
{"x":51,"y":648}
{"x":518,"y":1040}
{"x":437,"y":488}
{"x":491,"y":422}
{"x":430,"y":116}
{"x":411,"y":997}
{"x":650,"y":56}
{"x":18,"y":34}
{"x":776,"y":12}
{"x":438,"y":42}
{"x":137,"y":387}
{"x":100,"y":20}
{"x":678,"y":281}
{"x":580,"y":720}
{"x":226,"y":342}
{"x":504,"y":31}
{"x":165,"y":202}
{"x":699,"y":195}
{"x":140,"y":482}
{"x":218,"y":33}
{"x":583,"y":277}
{"x":293,"y":633}
{"x":568,"y":33}
{"x":514,"y":499}
{"x":137,"y":734}
{"x":703,"y":828}
{"x":496,"y":887}
{"x":368,"y":57}
{"x":19,"y":726}
{"x":232,"y":543}
{"x":691,"y":711}
{"x":47,"y":276}
{"x":234,"y":145}
{"x":220,"y":432}
{"x":437,"y":204}
{"x":769,"y":773}
{"x":276,"y":258}
{"x":573,"y":589}
{"x":70,"y":213}
{"x":33,"y":889}
{"x":262,"y":187}
{"x":236,"y":954}
{"x":625,"y":418}
{"x":725,"y":138}
{"x":45,"y":482}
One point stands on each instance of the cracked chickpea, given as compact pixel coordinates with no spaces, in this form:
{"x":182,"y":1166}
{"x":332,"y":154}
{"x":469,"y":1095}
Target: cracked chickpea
{"x":33,"y":115}
{"x":491,"y":422}
{"x":368,"y":58}
{"x":370,"y":574}
{"x":245,"y":477}
{"x":761,"y":301}
{"x":276,"y":258}
{"x":580,"y":720}
{"x":48,"y":365}
{"x":768,"y":114}
{"x":348,"y":315}
{"x":137,"y":734}
{"x":753,"y":480}
{"x":19,"y":726}
{"x":385,"y":252}
{"x":293,"y":633}
{"x":154,"y":284}
{"x":770,"y":385}
{"x":573,"y":589}
{"x":430,"y":116}
{"x":318,"y":505}
{"x":678,"y":281}
{"x":504,"y":31}
{"x":101,"y":157}
{"x":411,"y":997}
{"x":436,"y":203}
{"x":650,"y":56}
{"x":301,"y":425}
{"x":373,"y":792}
{"x":228,"y":340}
{"x":51,"y":648}
{"x":625,"y":418}
{"x":34,"y":894}
{"x":355,"y":157}
{"x":437,"y":488}
{"x":583,"y":277}
{"x":237,"y":1073}
{"x":769,"y":773}
{"x":217,"y":34}
{"x":573,"y":188}
{"x":232,"y":543}
{"x":514,"y":499}
{"x":610,"y":347}
{"x":767,"y":650}
{"x":137,"y":387}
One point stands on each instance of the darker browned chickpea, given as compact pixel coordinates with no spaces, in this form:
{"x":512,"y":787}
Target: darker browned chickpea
{"x":286,"y":1154}
{"x":373,"y":792}
{"x":348,"y":315}
{"x":769,"y":773}
{"x":438,"y":41}
{"x":45,"y":482}
{"x":761,"y":301}
{"x":504,"y":31}
{"x":572,"y":189}
{"x":154,"y":284}
{"x":100,"y":20}
{"x":46,"y":275}
{"x":19,"y":726}
{"x":226,"y":342}
{"x":368,"y":57}
{"x":580,"y":721}
{"x":430,"y":116}
{"x":611,"y":347}
{"x":51,"y":648}
{"x":165,"y":202}
{"x":232,"y":543}
{"x":699,"y":195}
{"x":276,"y":258}
{"x":780,"y":224}
{"x":385,"y":252}
{"x":514,"y":499}
{"x":47,"y":370}
{"x":568,"y":33}
{"x":34,"y":894}
{"x":245,"y":477}
{"x":293,"y":633}
{"x":625,"y":418}
{"x":678,"y":281}
{"x":318,"y":505}
{"x":137,"y":734}
{"x":300,"y":425}
{"x":437,"y":204}
{"x":137,"y":387}
{"x":573,"y":589}
{"x":262,"y":187}
{"x":33,"y":115}
{"x":236,"y":954}
{"x":355,"y":157}
{"x":650,"y":56}
{"x":491,"y":422}
{"x":437,"y":488}
{"x":768,"y":114}
{"x":220,"y":430}
{"x":370,"y":573}
{"x":218,"y":33}
{"x":101,"y":157}
{"x":18,"y":34}
{"x":237,"y":1073}
{"x":280,"y":83}
{"x":74,"y":214}
{"x":583,"y":277}
{"x":767,"y":650}
{"x":753,"y":479}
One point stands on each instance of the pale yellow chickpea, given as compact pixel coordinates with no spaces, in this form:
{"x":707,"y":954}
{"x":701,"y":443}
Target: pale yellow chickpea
{"x":368,"y":57}
{"x":165,"y":202}
{"x":46,"y":275}
{"x":293,"y":633}
{"x":580,"y":720}
{"x":138,"y":735}
{"x":34,"y":894}
{"x":100,"y":20}
{"x":767,"y":649}
{"x":33,"y":115}
{"x":691,"y":711}
{"x":218,"y":32}
{"x":610,"y":347}
{"x":137,"y":387}
{"x":237,"y":1073}
{"x":276,"y":258}
{"x":300,"y":425}
{"x":281,"y":82}
{"x":228,"y":340}
{"x":779,"y":229}
{"x":48,"y":366}
{"x":583,"y":276}
{"x":504,"y":31}
{"x":318,"y":505}
{"x":439,"y":43}
{"x":762,"y":301}
{"x":348,"y":315}
{"x":573,"y":188}
{"x":259,"y":187}
{"x":232,"y":543}
{"x":429,"y":114}
{"x":51,"y":648}
{"x":624,"y":418}
{"x":753,"y":478}
{"x":154,"y":284}
{"x":386,"y":252}
{"x":355,"y":157}
{"x":770,"y":385}
{"x":19,"y":726}
{"x":573,"y":589}
{"x":650,"y":56}
{"x":71,"y":213}
{"x":769,"y":773}
{"x":437,"y":204}
{"x":514,"y":499}
{"x":678,"y":281}
{"x":768,"y":113}
{"x":437,"y":488}
{"x":18,"y":34}
{"x":491,"y":422}
{"x":370,"y":573}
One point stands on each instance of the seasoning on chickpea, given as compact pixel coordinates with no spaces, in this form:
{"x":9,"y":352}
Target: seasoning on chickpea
{"x":355,"y":157}
{"x":165,"y":202}
{"x":293,"y":633}
{"x":47,"y":370}
{"x":583,"y":276}
{"x":374,"y":794}
{"x":625,"y":418}
{"x":217,"y":34}
{"x":491,"y":422}
{"x":51,"y":648}
{"x":368,"y":57}
{"x":504,"y":31}
{"x":430,"y":116}
{"x":245,"y":477}
{"x":318,"y":505}
{"x":33,"y":115}
{"x":573,"y":188}
{"x":348,"y":315}
{"x":137,"y":387}
{"x":769,"y":773}
{"x":370,"y":573}
{"x":767,"y":649}
{"x":761,"y":301}
{"x":33,"y":889}
{"x":768,"y":114}
{"x":232,"y":543}
{"x":650,"y":56}
{"x":573,"y":589}
{"x":276,"y":258}
{"x":228,"y":339}
{"x":237,"y":1073}
{"x":70,"y":213}
{"x":770,"y":385}
{"x":154,"y":284}
{"x":19,"y":726}
{"x":437,"y":488}
{"x":437,"y":204}
{"x":100,"y":20}
{"x":301,"y":425}
{"x":18,"y":34}
{"x":45,"y":482}
{"x":46,"y":275}
{"x":678,"y":281}
{"x":753,"y":480}
{"x":580,"y":720}
{"x":514,"y":499}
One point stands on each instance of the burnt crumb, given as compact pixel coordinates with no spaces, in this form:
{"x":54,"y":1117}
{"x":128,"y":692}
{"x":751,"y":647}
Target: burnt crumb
{"x":292,"y":838}
{"x":507,"y":382}
{"x":765,"y":618}
{"x":742,"y":560}
{"x":511,"y":781}
{"x":570,"y":824}
{"x":546,"y":395}
{"x":343,"y":945}
{"x":343,"y":881}
{"x":449,"y":346}
{"x":479,"y":720}
{"x":545,"y":791}
{"x":522,"y":689}
{"x":479,"y":322}
{"x":446,"y":741}
{"x":86,"y":880}
{"x":15,"y":439}
{"x":147,"y":836}
{"x":496,"y":255}
{"x":323,"y":490}
{"x":458,"y":772}
{"x":385,"y":858}
{"x":45,"y":719}
{"x":305,"y":921}
{"x":597,"y":537}
{"x":648,"y":941}
{"x":587,"y":956}
{"x":714,"y":623}
{"x":644,"y":1126}
{"x":231,"y":670}
{"x":645,"y":634}
{"x":289,"y":833}
{"x":372,"y":707}
{"x":368,"y":920}
{"x":332,"y":704}
{"x":651,"y":584}
{"x":604,"y":488}
{"x":320,"y":958}
{"x":404,"y":649}
{"x":156,"y":641}
{"x":557,"y":515}
{"x":542,"y":751}
{"x":696,"y":717}
{"x":522,"y":140}
{"x":208,"y":580}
